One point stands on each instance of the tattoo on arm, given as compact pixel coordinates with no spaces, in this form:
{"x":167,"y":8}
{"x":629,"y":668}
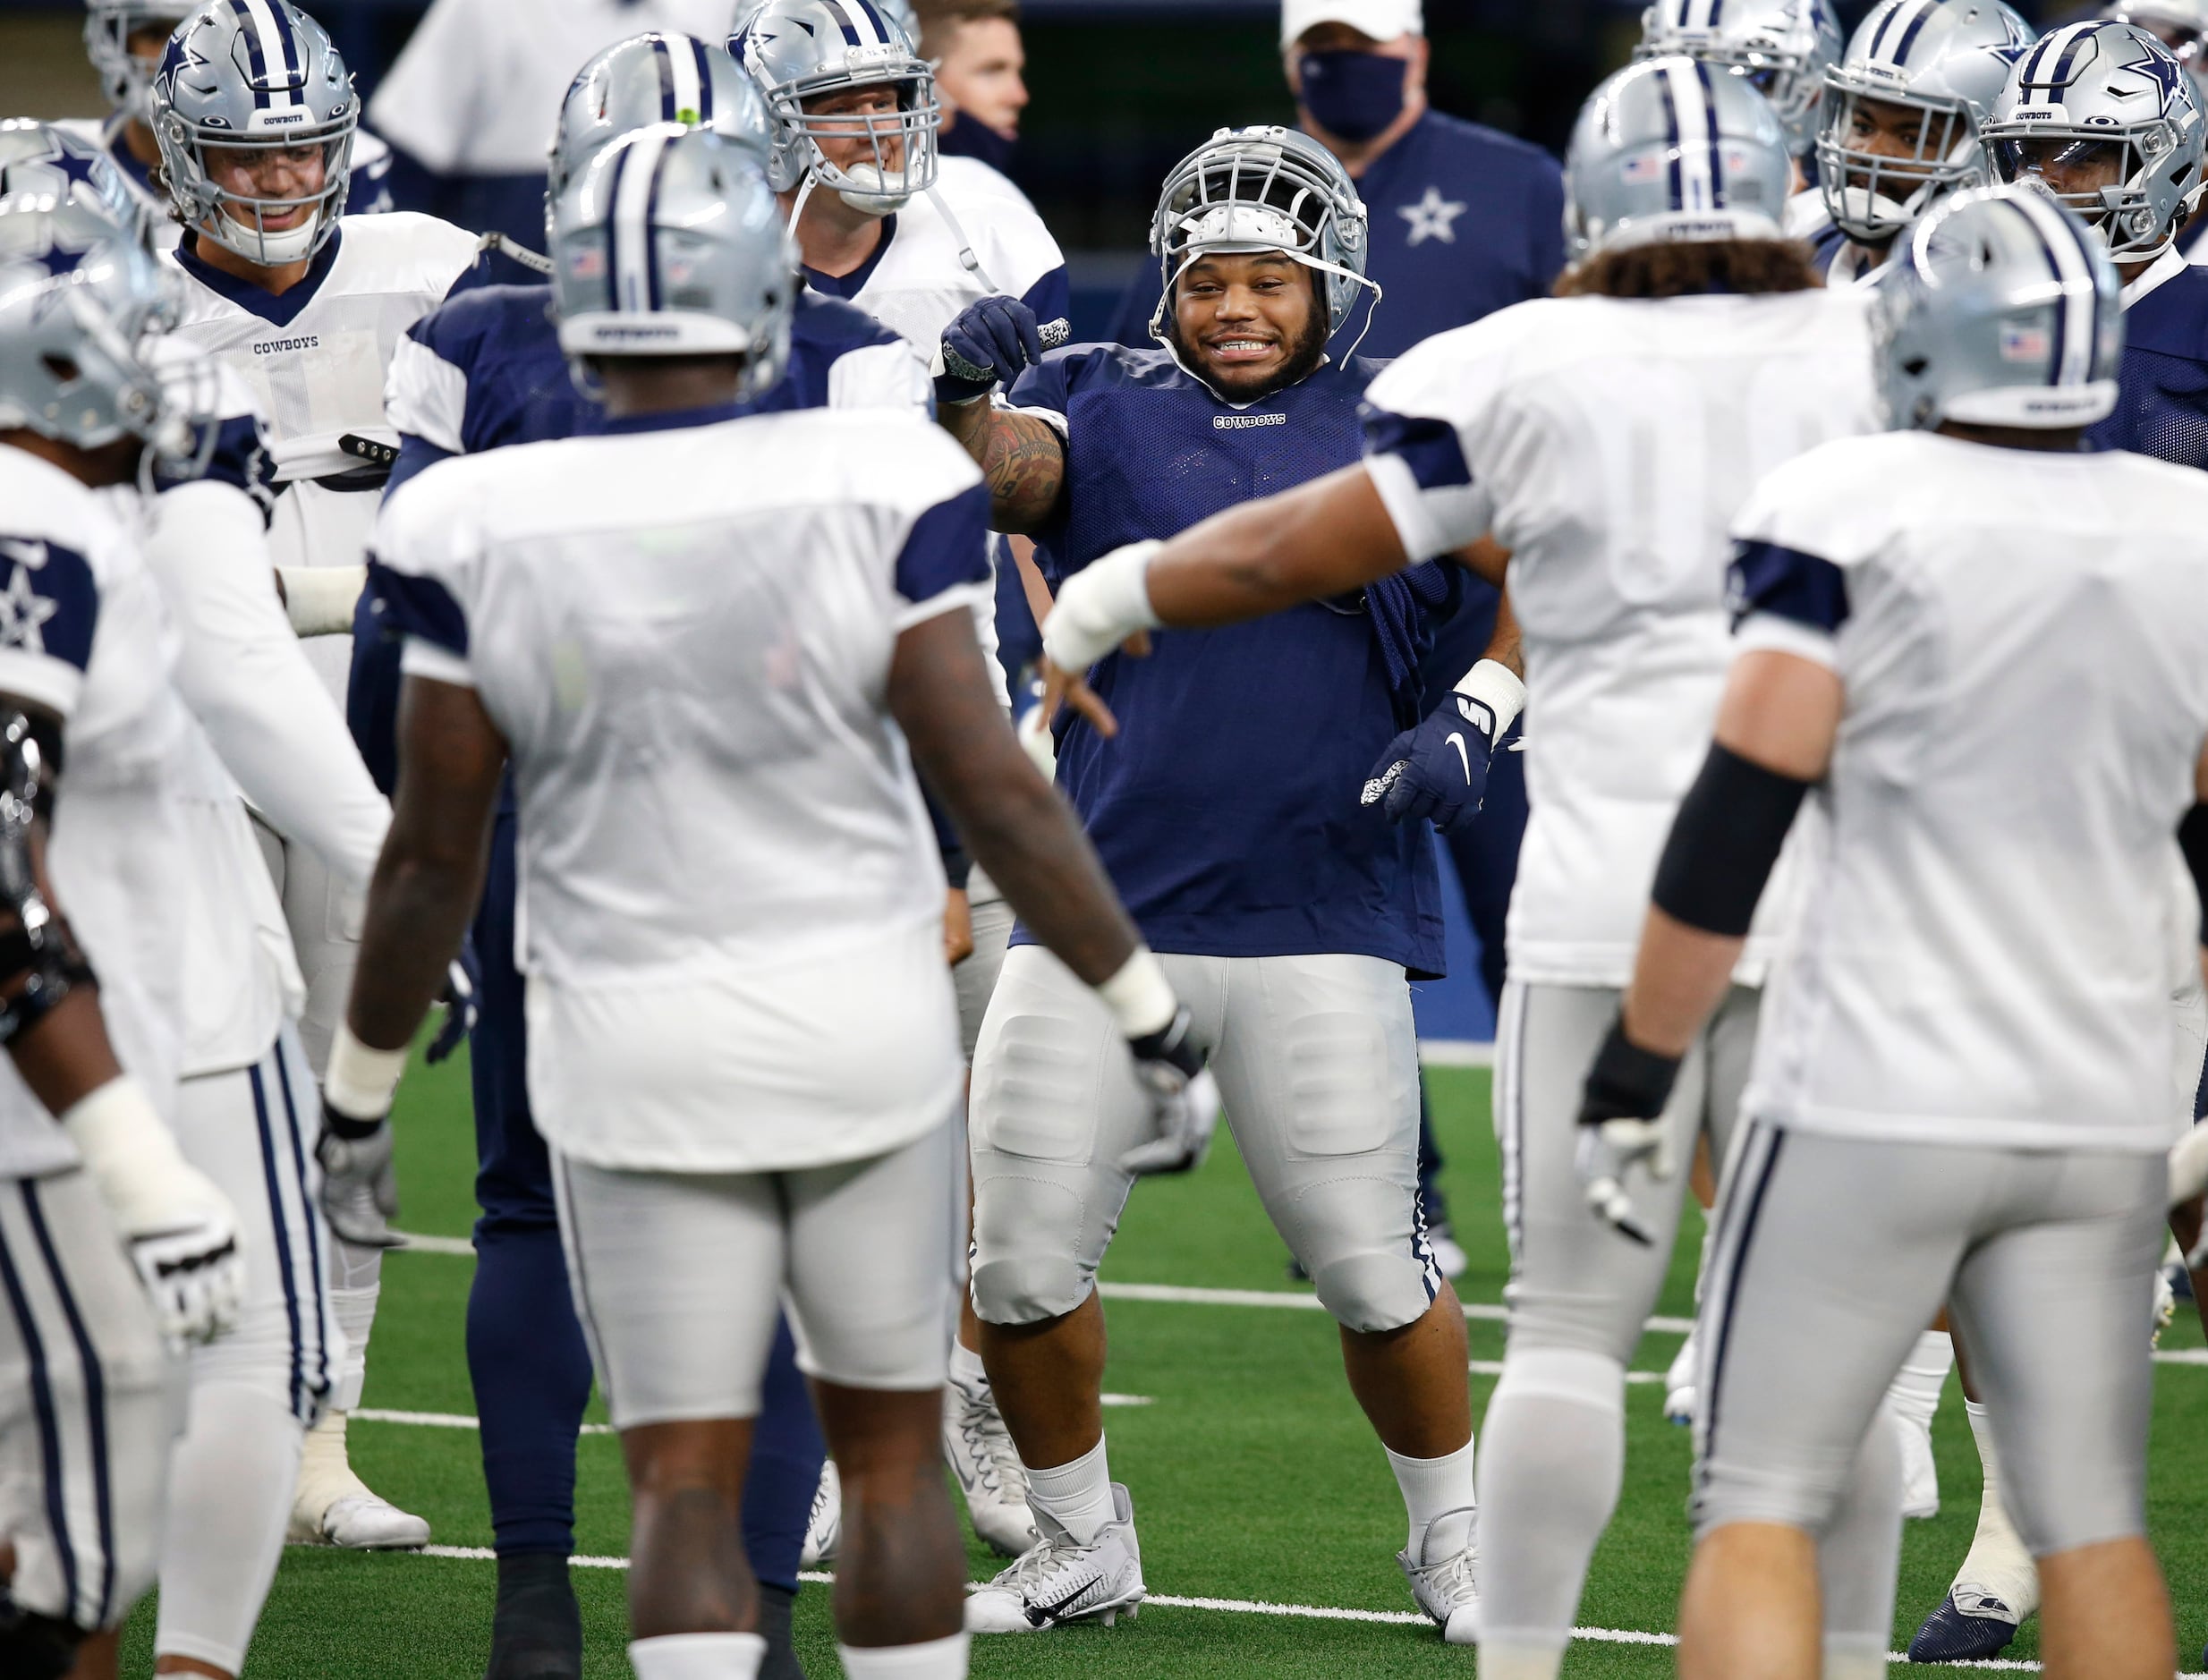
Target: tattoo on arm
{"x":1022,"y":458}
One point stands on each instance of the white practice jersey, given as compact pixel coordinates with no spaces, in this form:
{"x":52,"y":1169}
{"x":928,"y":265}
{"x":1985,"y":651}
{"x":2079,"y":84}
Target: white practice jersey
{"x":478,"y":87}
{"x":731,"y":901}
{"x":1608,"y":446}
{"x":1984,"y":958}
{"x":369,"y":193}
{"x":314,"y":361}
{"x":919,"y":282}
{"x":83,"y":634}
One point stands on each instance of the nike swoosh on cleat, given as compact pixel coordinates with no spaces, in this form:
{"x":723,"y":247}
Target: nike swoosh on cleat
{"x":1043,"y":1614}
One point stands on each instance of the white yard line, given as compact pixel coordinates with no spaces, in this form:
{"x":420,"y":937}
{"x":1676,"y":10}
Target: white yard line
{"x":1292,"y":1300}
{"x":458,"y":1420}
{"x":1456,"y":1052}
{"x":1307,"y":1612}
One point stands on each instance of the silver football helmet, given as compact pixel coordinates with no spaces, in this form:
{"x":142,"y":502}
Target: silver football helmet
{"x":1782,"y":47}
{"x":1670,"y":151}
{"x":2180,"y":25}
{"x":254,"y":77}
{"x":1946,"y":62}
{"x":2001,"y":309}
{"x":126,"y":78}
{"x":647,"y":80}
{"x":799,"y":51}
{"x":1248,"y":190}
{"x":40,"y":160}
{"x":670,"y":242}
{"x":82,"y":308}
{"x":2106,"y":118}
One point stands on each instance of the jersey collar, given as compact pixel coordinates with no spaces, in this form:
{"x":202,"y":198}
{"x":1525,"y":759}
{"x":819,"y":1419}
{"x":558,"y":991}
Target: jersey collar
{"x":849,"y":285}
{"x":277,"y":312}
{"x":2171,"y":263}
{"x":674,"y":419}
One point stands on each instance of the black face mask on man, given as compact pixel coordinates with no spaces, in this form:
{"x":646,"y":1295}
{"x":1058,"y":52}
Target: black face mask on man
{"x":970,"y":137}
{"x":1351,"y":94}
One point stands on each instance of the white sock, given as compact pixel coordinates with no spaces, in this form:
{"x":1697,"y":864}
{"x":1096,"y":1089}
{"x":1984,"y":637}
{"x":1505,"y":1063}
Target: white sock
{"x":1997,"y":1563}
{"x":1077,"y":1496}
{"x":356,"y":1280}
{"x":938,"y":1660}
{"x":229,"y":1497}
{"x":698,"y":1657}
{"x":1437,"y":1490}
{"x":1923,"y":1377}
{"x":967,"y":1369}
{"x":1520,"y":1662}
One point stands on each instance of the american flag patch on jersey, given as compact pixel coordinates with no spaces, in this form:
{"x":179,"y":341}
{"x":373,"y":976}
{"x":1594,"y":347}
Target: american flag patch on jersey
{"x":2025,"y":344}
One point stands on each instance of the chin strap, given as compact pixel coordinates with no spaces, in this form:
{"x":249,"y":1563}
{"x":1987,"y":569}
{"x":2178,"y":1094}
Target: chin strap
{"x":967,"y":261}
{"x":513,"y":250}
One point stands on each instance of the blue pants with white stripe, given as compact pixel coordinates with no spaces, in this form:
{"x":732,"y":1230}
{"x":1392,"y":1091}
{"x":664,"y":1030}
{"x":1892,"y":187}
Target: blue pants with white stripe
{"x":526,"y":1353}
{"x":86,"y":1407}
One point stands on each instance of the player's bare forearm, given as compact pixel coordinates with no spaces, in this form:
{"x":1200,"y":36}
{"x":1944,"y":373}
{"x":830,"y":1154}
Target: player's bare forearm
{"x":1022,"y":458}
{"x":1014,"y":823}
{"x":430,"y":873}
{"x":1505,"y":646}
{"x":1678,"y":979}
{"x":1326,"y":537}
{"x":67,"y":1056}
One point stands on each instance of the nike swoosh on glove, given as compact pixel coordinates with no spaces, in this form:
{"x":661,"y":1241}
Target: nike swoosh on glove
{"x":462,"y":1002}
{"x":1184,"y":1100}
{"x":986,"y":346}
{"x":1438,"y":770}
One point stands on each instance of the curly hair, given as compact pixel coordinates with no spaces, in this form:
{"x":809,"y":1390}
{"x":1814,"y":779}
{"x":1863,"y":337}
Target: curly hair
{"x":1748,"y":267}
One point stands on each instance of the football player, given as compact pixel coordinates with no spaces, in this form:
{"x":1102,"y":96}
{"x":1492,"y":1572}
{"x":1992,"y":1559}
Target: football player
{"x":974,"y":45}
{"x":126,"y":39}
{"x":1960,"y":1096}
{"x":2102,"y":114}
{"x":256,"y":118}
{"x":1901,"y":119}
{"x":1692,"y":346}
{"x":856,"y":119}
{"x":1784,"y":49}
{"x":481,"y":371}
{"x":110,"y":1240}
{"x":1225,"y":808}
{"x":791,"y":608}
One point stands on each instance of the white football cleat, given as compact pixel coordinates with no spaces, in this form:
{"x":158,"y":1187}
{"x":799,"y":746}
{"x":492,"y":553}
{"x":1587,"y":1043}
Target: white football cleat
{"x":1680,"y":1386}
{"x":1920,"y":1475}
{"x":332,"y":1506}
{"x":824,"y":1529}
{"x":1445,"y":1578}
{"x":1058,"y":1580}
{"x":980,"y":1451}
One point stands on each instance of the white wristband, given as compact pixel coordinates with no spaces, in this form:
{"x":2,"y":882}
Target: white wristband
{"x":320,"y":600}
{"x":1100,"y":606}
{"x":1139,"y":997}
{"x":129,"y":1153}
{"x":360,"y":1082}
{"x":1497,"y":687}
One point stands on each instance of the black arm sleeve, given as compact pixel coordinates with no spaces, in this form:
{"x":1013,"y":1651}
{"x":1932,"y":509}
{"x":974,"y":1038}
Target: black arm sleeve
{"x":1725,"y":843}
{"x":2193,"y":840}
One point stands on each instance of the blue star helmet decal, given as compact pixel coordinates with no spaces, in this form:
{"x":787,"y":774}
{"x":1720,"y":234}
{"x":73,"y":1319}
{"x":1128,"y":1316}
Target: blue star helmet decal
{"x":2161,"y":69}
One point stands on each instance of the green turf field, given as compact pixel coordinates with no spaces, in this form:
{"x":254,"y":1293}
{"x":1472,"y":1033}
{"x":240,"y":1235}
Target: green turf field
{"x":1254,"y":1477}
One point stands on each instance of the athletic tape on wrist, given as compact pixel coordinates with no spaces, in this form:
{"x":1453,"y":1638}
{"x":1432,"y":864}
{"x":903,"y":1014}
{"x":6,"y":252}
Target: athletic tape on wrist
{"x":1141,"y":998}
{"x":360,"y":1082}
{"x":115,"y":1116}
{"x":1497,"y":687}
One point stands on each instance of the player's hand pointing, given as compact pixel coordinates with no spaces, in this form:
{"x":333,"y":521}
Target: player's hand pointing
{"x":988,"y":345}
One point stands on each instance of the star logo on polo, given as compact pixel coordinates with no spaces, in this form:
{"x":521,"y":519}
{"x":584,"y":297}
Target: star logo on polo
{"x":1433,"y":216}
{"x":22,"y":612}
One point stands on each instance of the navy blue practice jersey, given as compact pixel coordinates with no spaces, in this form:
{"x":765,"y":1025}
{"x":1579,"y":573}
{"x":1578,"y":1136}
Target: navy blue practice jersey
{"x":2163,"y":409}
{"x":1227,"y":810}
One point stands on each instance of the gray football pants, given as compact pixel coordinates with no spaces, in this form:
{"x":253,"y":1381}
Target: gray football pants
{"x":1317,"y":1062}
{"x":1832,"y":1255}
{"x":1553,"y":1443}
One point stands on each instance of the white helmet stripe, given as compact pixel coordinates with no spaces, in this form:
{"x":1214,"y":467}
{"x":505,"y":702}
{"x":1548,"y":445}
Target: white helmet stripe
{"x":1900,"y":30}
{"x":2074,"y":274}
{"x":1700,"y":186}
{"x":861,"y":27}
{"x":683,"y":82}
{"x":635,"y":184}
{"x":277,"y":54}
